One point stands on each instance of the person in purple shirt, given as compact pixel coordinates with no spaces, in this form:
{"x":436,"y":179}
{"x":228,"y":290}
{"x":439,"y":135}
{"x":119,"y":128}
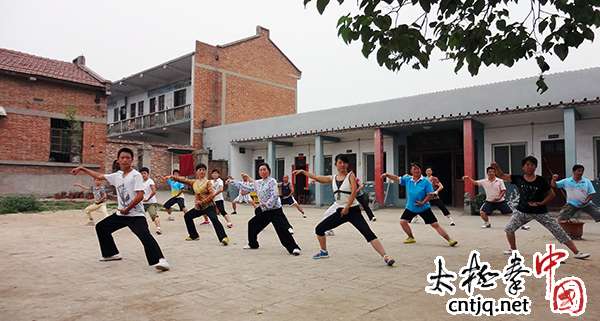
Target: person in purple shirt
{"x":268,"y":211}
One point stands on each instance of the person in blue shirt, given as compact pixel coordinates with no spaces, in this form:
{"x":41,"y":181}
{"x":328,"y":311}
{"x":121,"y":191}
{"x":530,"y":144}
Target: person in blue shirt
{"x":176,"y":196}
{"x":418,"y":193}
{"x":579,"y":195}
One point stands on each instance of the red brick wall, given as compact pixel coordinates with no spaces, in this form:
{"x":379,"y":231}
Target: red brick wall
{"x":24,"y":137}
{"x":249,"y":100}
{"x":246,"y":98}
{"x":56,"y":97}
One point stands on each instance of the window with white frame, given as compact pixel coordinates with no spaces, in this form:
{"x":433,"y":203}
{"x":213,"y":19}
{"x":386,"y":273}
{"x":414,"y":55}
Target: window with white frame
{"x":327,"y":164}
{"x":509,"y":156}
{"x":369,"y":166}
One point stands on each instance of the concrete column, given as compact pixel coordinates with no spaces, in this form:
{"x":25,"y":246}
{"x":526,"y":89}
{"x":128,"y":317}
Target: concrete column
{"x":469,"y":154}
{"x":201,"y":157}
{"x":569,"y":118}
{"x":319,"y":169}
{"x":378,"y":151}
{"x":146,"y":155}
{"x":271,"y":155}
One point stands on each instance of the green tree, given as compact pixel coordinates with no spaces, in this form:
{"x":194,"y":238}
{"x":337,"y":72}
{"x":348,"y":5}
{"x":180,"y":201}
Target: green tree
{"x":469,"y":32}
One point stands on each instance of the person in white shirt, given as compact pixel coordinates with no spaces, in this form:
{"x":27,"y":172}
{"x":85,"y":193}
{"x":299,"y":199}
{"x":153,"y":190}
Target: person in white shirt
{"x":130,"y":212}
{"x":219,"y":187}
{"x":495,"y":190}
{"x":345,"y":209}
{"x":150,"y":202}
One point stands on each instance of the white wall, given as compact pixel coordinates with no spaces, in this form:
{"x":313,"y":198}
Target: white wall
{"x":144,"y":97}
{"x":585,"y":130}
{"x":245,"y":162}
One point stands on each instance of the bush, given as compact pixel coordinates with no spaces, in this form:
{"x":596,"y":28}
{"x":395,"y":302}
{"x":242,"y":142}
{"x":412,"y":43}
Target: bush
{"x":16,"y":204}
{"x":477,"y":203}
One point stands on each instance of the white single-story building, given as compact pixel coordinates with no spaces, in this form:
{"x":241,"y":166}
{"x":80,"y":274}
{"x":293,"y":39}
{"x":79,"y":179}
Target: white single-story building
{"x":456,"y":132}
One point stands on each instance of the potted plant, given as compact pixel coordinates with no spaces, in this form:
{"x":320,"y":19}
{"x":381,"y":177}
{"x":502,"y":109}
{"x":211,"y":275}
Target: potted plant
{"x":573,"y":227}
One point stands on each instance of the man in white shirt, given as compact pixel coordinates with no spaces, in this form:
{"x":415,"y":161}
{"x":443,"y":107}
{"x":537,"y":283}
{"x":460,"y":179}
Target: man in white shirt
{"x":130,"y":212}
{"x":150,"y":202}
{"x":495,"y":191}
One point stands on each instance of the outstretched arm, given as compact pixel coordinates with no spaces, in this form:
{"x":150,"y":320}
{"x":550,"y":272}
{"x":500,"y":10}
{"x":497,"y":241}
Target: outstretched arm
{"x":318,"y":178}
{"x":85,"y":188}
{"x":390,"y":176}
{"x":470,"y":180}
{"x":89,"y":172}
{"x":500,"y":173}
{"x":180,"y":179}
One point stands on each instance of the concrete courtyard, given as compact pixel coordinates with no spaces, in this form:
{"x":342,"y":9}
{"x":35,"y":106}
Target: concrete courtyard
{"x":50,"y":271}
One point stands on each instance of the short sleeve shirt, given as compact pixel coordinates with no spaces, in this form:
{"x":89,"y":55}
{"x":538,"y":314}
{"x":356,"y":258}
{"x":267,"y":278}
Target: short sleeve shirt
{"x":148,"y":190}
{"x":416,"y":191}
{"x":534,"y":191}
{"x":577,"y":192}
{"x":176,"y":187}
{"x":217,"y":185}
{"x":98,"y":191}
{"x":126,"y":187}
{"x":492,"y":189}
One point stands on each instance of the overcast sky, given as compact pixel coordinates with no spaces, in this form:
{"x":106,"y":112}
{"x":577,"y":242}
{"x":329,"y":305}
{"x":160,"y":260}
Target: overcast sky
{"x":119,"y":38}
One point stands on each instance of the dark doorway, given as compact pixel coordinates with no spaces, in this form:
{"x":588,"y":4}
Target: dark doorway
{"x":441,"y":164}
{"x":300,"y":181}
{"x":440,"y":150}
{"x":257,"y":163}
{"x":553,"y":162}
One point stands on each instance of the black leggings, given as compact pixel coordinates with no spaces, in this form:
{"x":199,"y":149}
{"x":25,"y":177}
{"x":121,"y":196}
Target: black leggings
{"x":212,"y":215}
{"x":364,"y":202}
{"x":440,"y":204}
{"x":280,"y":223}
{"x":221,"y":207}
{"x":354,"y":217}
{"x":138,"y":225}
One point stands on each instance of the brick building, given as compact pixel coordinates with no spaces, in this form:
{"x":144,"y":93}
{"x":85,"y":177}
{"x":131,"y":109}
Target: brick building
{"x":167,"y":107}
{"x":52,"y":118}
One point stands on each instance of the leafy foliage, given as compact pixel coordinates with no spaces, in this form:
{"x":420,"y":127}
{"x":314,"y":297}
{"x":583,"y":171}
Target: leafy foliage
{"x":16,"y":204}
{"x":471,"y":32}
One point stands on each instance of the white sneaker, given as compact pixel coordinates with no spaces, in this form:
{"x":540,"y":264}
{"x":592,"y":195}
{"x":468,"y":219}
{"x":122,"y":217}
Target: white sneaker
{"x":162,"y":265}
{"x":374,"y":219}
{"x":525,"y":227}
{"x":115,"y":257}
{"x":508,"y":252}
{"x":487,"y":225}
{"x":581,"y":255}
{"x":330,"y":233}
{"x":296,"y":252}
{"x":291,"y":230}
{"x":247,"y":247}
{"x":170,"y":218}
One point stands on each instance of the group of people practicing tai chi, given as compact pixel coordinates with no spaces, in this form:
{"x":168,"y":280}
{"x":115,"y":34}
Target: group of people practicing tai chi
{"x":136,"y":193}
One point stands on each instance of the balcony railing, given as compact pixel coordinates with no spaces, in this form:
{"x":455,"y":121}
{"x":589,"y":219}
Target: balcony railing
{"x":157,"y":119}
